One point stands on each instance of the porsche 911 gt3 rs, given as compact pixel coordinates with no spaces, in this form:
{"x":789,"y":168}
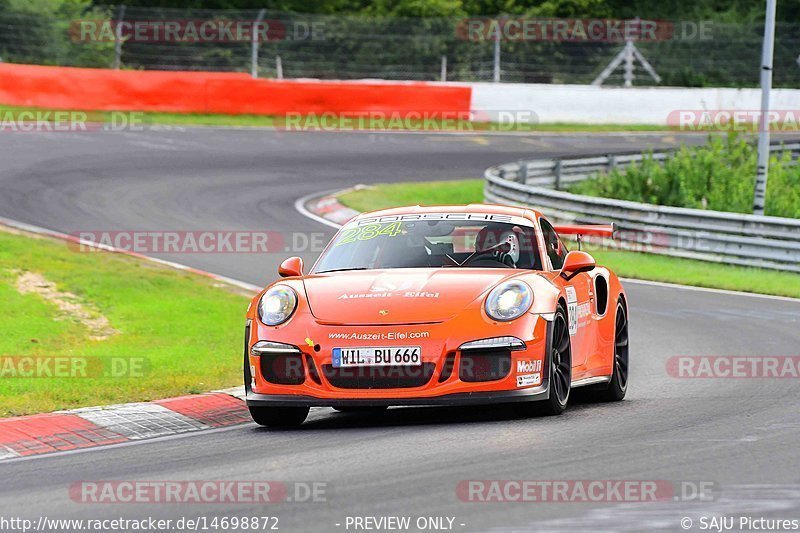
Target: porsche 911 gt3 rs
{"x":438,"y":305}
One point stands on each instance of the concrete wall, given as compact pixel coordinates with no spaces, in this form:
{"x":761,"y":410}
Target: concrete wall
{"x":617,"y":105}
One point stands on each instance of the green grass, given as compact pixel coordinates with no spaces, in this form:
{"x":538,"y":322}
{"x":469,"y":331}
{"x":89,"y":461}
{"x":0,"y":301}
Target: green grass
{"x":719,"y":175}
{"x":628,"y":264}
{"x":269,"y":121}
{"x":183,"y":330}
{"x":399,"y":194}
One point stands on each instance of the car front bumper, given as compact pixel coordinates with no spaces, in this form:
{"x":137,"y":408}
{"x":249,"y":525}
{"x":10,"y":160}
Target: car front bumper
{"x":455,"y":399}
{"x":525,"y":380}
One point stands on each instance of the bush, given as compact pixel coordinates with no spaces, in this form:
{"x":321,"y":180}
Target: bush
{"x":719,"y":176}
{"x":40,"y":32}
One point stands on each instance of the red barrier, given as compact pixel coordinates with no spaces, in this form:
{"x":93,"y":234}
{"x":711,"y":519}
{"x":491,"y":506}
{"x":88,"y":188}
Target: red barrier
{"x":208,"y":92}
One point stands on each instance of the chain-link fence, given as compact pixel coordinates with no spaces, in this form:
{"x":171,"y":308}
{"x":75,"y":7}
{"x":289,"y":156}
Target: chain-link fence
{"x":292,"y":45}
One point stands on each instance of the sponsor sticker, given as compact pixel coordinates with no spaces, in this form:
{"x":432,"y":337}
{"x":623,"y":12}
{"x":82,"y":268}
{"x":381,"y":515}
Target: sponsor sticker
{"x":526,"y":367}
{"x":381,"y":336}
{"x":406,"y":294}
{"x":409,"y":217}
{"x":572,"y":310}
{"x":526,"y":380}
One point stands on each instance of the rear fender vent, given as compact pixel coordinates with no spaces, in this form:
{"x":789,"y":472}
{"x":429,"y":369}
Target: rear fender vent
{"x":600,"y":295}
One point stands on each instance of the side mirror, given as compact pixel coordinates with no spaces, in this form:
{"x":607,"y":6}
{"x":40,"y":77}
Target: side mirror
{"x":291,"y":267}
{"x":577,"y":262}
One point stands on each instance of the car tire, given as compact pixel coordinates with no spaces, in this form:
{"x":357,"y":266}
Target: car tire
{"x":559,"y":362}
{"x":376,"y":409}
{"x":278,"y":417}
{"x":618,"y":385}
{"x":556,"y":403}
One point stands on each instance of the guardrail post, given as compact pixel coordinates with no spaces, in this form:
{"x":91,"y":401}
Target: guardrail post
{"x":443,"y":74}
{"x":557,"y":172}
{"x":612,"y":162}
{"x":523,"y":172}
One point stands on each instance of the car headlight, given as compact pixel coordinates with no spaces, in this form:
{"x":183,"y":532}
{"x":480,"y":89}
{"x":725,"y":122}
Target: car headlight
{"x":509,"y":300}
{"x":277,"y":305}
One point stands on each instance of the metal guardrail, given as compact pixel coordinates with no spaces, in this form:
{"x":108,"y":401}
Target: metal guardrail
{"x":747,"y":240}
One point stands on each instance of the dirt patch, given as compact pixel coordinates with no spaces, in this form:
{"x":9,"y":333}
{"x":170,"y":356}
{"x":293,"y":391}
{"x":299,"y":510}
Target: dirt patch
{"x":69,"y":304}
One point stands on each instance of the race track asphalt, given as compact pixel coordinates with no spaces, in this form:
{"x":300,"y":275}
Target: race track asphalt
{"x":740,"y":434}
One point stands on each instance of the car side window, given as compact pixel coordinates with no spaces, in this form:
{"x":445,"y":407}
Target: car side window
{"x":554,"y":248}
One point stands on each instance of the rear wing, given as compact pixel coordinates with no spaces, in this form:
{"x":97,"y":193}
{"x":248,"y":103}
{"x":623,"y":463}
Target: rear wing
{"x":596,"y":230}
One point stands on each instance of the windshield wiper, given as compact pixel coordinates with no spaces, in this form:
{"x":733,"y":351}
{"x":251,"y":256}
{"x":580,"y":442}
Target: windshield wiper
{"x":341,"y":270}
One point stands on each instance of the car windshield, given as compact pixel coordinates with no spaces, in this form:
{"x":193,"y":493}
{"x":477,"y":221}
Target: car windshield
{"x":433,"y":241}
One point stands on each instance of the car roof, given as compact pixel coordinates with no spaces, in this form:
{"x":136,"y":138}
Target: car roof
{"x":470,"y":208}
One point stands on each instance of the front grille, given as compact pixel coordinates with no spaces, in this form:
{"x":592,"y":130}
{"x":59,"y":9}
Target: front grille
{"x":379,"y":377}
{"x":484,"y":365}
{"x":283,"y":369}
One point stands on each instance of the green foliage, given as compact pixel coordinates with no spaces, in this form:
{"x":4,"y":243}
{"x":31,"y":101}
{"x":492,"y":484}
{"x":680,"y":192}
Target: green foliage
{"x":572,"y":9}
{"x":41,"y":31}
{"x":417,"y":8}
{"x":723,"y":11}
{"x":719,"y":176}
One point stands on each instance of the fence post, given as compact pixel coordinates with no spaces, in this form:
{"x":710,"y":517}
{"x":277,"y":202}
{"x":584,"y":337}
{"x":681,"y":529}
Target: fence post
{"x":254,"y":45}
{"x":762,"y":165}
{"x":118,"y":38}
{"x":443,"y":74}
{"x":278,"y":67}
{"x":496,"y":70}
{"x":629,"y":63}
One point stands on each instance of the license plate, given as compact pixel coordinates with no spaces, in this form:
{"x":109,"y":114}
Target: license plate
{"x":376,"y":356}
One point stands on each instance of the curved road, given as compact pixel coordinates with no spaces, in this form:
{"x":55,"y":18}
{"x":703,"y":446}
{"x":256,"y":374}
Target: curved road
{"x":741,"y":435}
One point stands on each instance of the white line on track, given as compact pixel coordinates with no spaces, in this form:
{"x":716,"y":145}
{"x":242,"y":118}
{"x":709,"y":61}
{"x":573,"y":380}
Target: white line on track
{"x":708,"y":289}
{"x":300,"y":206}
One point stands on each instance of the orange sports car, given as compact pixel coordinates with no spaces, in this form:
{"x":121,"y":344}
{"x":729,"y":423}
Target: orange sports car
{"x":439,"y":305}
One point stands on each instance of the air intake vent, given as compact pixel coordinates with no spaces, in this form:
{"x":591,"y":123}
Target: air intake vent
{"x":484,"y":365}
{"x":379,"y":377}
{"x":283,"y":369}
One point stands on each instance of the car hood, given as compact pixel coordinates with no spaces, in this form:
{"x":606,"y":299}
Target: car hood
{"x":397,"y":296}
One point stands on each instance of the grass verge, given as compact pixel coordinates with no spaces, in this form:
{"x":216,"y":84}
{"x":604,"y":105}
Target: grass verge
{"x":331,"y":123}
{"x":177,"y":332}
{"x":627,"y":264}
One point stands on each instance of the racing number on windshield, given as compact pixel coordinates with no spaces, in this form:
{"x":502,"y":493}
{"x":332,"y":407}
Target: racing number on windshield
{"x":369,"y":231}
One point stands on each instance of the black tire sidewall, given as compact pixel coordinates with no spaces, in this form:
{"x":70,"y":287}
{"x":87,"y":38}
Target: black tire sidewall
{"x":552,"y":406}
